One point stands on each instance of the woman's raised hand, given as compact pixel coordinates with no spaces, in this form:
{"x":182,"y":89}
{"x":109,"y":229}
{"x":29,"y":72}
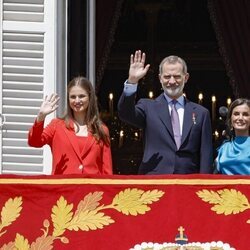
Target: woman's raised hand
{"x":49,"y":105}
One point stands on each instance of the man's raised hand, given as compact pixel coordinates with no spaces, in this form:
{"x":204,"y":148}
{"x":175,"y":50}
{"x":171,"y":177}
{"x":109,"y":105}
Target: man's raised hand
{"x":137,"y":68}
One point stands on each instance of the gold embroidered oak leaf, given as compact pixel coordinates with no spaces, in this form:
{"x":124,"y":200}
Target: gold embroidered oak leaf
{"x":9,"y":246}
{"x":61,"y":216}
{"x":11,"y":211}
{"x":90,"y":202}
{"x":132,"y":201}
{"x":21,"y":243}
{"x":209,"y":196}
{"x":43,"y":243}
{"x":149,"y":197}
{"x":233,"y":202}
{"x":89,"y":220}
{"x":230,"y":202}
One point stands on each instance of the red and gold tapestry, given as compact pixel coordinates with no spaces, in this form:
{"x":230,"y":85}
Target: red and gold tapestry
{"x":125,"y":212}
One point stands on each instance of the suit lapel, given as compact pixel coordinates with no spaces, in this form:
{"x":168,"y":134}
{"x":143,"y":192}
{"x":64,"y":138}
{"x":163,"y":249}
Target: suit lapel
{"x":163,"y":112}
{"x":89,"y":142}
{"x":187,"y":120}
{"x":73,"y":140}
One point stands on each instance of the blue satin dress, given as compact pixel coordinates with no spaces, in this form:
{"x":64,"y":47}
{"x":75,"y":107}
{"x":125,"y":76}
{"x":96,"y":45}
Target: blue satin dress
{"x":234,"y":156}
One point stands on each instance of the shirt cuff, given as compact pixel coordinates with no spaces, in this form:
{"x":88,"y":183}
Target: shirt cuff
{"x":129,"y":88}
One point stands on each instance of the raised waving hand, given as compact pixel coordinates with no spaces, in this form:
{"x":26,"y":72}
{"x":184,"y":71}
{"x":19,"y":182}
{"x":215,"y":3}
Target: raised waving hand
{"x":137,"y":69}
{"x":49,"y":105}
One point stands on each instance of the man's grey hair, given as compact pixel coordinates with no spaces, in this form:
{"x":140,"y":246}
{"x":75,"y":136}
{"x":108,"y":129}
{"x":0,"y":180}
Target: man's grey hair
{"x":172,"y":60}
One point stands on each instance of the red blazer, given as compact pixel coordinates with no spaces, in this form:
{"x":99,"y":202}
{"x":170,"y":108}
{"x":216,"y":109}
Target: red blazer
{"x":95,"y":158}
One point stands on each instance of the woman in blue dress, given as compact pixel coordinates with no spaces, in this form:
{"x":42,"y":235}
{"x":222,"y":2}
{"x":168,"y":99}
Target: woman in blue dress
{"x":234,"y":154}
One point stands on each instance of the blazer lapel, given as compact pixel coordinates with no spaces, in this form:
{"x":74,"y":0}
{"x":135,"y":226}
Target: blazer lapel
{"x":73,"y":140}
{"x":163,"y":112}
{"x":187,"y":120}
{"x":89,"y":142}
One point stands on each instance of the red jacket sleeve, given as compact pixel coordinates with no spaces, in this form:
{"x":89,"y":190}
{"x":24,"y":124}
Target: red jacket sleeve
{"x":39,"y":136}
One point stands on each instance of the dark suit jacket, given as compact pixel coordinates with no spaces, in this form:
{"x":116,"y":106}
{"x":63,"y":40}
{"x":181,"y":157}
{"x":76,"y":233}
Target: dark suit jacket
{"x":95,"y":158}
{"x":160,"y":152}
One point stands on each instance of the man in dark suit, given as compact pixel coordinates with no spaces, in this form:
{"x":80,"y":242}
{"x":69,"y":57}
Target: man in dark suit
{"x":163,"y":152}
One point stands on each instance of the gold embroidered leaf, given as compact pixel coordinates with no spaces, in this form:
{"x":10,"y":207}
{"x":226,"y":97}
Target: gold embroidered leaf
{"x":61,"y":216}
{"x":232,"y":202}
{"x":9,"y":246}
{"x":21,"y":243}
{"x":226,"y":201}
{"x":43,"y":243}
{"x":89,"y":220}
{"x":10,"y":211}
{"x":132,"y":194}
{"x":149,"y":197}
{"x":90,"y":202}
{"x":128,"y":202}
{"x":209,"y":196}
{"x":248,"y":221}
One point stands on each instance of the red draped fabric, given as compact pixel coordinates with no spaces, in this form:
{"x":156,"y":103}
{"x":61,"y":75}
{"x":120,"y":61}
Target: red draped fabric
{"x":119,"y":212}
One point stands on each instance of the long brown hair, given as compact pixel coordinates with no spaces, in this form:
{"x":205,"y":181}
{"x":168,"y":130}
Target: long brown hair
{"x":92,"y":118}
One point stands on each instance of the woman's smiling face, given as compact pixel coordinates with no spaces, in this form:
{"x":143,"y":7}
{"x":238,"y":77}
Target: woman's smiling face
{"x":78,"y":99}
{"x":240,"y":119}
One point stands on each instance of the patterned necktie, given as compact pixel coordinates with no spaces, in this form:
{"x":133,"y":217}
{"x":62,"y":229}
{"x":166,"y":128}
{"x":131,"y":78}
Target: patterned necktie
{"x":175,"y":124}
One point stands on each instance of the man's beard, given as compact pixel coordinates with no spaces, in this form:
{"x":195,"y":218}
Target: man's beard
{"x":173,"y":92}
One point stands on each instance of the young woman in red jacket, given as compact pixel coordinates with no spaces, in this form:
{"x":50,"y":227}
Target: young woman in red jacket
{"x":79,"y":141}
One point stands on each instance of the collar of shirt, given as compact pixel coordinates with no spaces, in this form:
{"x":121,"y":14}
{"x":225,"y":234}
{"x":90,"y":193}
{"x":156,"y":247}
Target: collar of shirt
{"x":180,"y":101}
